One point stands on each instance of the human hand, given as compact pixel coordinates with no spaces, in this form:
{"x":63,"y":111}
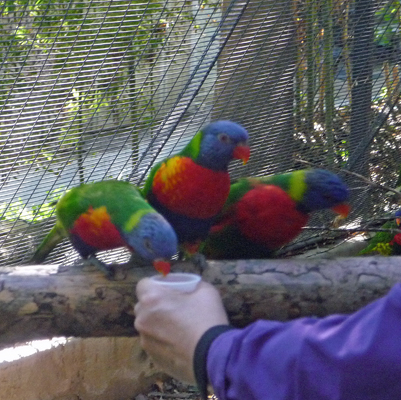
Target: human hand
{"x":170,"y":324}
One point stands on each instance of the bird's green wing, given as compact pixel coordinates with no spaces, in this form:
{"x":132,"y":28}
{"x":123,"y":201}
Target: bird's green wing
{"x":121,"y":199}
{"x":237,"y":190}
{"x":292,"y":183}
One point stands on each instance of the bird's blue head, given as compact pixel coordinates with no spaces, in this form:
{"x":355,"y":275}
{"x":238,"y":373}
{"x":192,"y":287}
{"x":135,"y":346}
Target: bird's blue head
{"x":154,"y":239}
{"x":222,"y":141}
{"x":325,"y":190}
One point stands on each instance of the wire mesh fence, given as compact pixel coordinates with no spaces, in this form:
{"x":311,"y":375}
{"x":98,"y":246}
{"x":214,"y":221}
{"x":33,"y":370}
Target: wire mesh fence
{"x":95,"y":89}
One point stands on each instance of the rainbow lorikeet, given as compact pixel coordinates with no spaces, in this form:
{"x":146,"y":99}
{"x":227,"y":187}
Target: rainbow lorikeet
{"x":107,"y":215}
{"x":191,"y":187}
{"x":386,"y":243}
{"x":262,"y":214}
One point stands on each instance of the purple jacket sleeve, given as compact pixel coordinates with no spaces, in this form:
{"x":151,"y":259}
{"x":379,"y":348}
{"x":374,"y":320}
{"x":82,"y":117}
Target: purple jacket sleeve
{"x":355,"y":357}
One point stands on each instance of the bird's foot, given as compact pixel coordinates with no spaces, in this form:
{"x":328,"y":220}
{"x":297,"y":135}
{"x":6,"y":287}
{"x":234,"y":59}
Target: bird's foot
{"x":115,"y":272}
{"x":191,"y":252}
{"x":181,"y":255}
{"x":199,"y":261}
{"x":137,"y":261}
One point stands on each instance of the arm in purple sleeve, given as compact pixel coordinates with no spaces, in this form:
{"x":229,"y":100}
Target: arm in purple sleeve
{"x":355,"y":357}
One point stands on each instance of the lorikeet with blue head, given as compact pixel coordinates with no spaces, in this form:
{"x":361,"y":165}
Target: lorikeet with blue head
{"x":191,"y":187}
{"x":264,"y":213}
{"x":107,"y":215}
{"x":386,"y":243}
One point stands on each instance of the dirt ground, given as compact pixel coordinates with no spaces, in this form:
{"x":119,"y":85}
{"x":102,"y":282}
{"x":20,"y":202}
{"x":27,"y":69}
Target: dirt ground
{"x":172,"y":389}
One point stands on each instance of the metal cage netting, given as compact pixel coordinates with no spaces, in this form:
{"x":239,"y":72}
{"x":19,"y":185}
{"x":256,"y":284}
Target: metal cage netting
{"x":94,"y":89}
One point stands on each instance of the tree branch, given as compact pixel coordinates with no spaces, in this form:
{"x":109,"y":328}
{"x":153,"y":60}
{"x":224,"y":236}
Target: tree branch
{"x":39,"y":302}
{"x":359,"y":176}
{"x":360,"y":229}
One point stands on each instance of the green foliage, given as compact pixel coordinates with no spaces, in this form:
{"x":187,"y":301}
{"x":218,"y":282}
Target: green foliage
{"x":388,"y":23}
{"x":210,"y":3}
{"x":75,"y":63}
{"x":81,"y":37}
{"x":19,"y":210}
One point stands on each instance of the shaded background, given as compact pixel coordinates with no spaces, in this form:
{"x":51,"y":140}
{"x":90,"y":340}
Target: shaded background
{"x":92,"y":90}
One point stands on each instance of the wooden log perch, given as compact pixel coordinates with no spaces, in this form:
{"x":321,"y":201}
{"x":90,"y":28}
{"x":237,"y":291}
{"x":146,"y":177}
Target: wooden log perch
{"x":38,"y":302}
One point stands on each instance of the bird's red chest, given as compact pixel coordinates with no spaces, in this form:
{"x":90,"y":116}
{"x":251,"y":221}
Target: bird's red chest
{"x":96,"y":229}
{"x":187,"y":188}
{"x":268,"y":216}
{"x":396,"y":239}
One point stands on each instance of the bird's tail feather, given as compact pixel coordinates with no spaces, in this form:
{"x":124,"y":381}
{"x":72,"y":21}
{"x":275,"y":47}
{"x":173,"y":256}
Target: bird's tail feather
{"x":53,"y":238}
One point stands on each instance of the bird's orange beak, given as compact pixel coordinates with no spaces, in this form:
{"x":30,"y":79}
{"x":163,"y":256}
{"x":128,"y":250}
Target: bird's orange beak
{"x":162,"y":266}
{"x":242,"y":152}
{"x":343,"y":209}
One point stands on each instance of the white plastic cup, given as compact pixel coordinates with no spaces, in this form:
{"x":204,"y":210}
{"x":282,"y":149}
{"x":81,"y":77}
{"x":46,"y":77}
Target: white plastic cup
{"x":182,"y":281}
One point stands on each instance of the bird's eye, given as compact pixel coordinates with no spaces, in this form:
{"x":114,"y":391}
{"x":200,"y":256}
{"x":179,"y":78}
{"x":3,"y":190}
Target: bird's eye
{"x":148,"y":245}
{"x":224,"y":138}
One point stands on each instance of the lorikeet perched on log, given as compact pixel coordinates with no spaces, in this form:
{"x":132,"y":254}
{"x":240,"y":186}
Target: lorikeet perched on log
{"x":386,"y":243}
{"x":191,"y":187}
{"x":107,"y":215}
{"x":262,"y":214}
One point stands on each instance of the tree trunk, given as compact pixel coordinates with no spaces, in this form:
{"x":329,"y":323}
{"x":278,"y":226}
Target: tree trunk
{"x":361,"y":95}
{"x":255,"y":80}
{"x":38,"y":302}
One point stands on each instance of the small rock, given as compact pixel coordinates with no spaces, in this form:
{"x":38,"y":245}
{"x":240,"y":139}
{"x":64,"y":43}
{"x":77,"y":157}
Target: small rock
{"x":141,"y":397}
